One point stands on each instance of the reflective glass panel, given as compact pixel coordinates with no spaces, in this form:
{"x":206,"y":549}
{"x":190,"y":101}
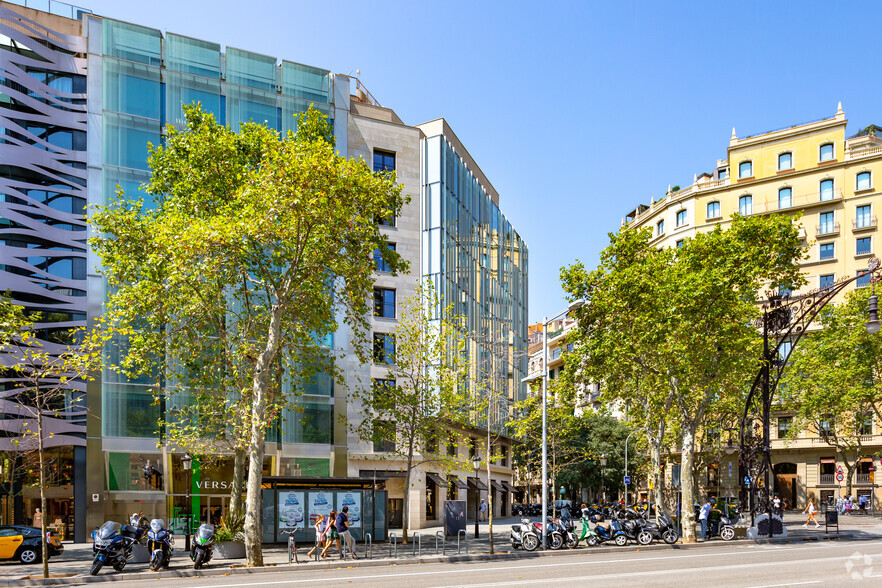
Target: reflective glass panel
{"x":251,"y":69}
{"x":745,"y":205}
{"x":294,"y":106}
{"x":713,"y":209}
{"x":126,"y":138}
{"x":131,"y":88}
{"x":245,"y":104}
{"x":863,"y":246}
{"x":186,"y":89}
{"x":309,"y":83}
{"x":131,"y":42}
{"x":193,"y":56}
{"x":310,"y":422}
{"x":128,"y":411}
{"x":862,"y":216}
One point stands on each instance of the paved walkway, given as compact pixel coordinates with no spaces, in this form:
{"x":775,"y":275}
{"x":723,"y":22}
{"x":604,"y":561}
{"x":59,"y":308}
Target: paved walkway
{"x":77,"y":557}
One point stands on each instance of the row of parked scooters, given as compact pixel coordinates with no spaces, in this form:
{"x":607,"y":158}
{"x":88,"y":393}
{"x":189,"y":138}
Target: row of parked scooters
{"x":113,"y":544}
{"x":625,"y":526}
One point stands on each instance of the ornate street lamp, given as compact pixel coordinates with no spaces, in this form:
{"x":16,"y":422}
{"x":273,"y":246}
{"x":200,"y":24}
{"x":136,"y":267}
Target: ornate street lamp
{"x":476,"y":463}
{"x":602,"y":474}
{"x":187,"y":462}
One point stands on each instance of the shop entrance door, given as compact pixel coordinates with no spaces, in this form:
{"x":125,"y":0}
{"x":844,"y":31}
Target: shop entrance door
{"x":396,"y":513}
{"x":212,"y":508}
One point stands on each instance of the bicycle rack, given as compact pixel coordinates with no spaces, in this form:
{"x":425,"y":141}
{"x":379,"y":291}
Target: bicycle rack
{"x":368,"y":546}
{"x":466,"y":537}
{"x":417,"y":540}
{"x":393,"y":542}
{"x":443,"y":542}
{"x":292,"y":549}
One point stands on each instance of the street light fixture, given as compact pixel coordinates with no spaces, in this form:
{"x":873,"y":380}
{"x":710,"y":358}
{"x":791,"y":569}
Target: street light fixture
{"x":187,"y":462}
{"x":872,"y":325}
{"x":476,"y":463}
{"x":602,"y":472}
{"x":575,"y":304}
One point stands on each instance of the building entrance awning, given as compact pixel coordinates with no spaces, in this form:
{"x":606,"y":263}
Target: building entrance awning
{"x":477,"y":483}
{"x":439,"y":481}
{"x":497,"y":486}
{"x":458,"y":483}
{"x":509,"y":487}
{"x":380,"y":474}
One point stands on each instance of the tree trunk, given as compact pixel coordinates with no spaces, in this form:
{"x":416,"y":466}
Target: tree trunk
{"x":256,"y":449}
{"x":41,"y":453}
{"x":489,"y":488}
{"x":657,"y":476}
{"x":849,"y":473}
{"x":405,"y":514}
{"x":237,"y":488}
{"x":687,"y":485}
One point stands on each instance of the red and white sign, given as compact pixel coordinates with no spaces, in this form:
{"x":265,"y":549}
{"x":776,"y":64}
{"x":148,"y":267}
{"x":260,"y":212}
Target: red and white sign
{"x":839,"y":470}
{"x":871,"y":468}
{"x":840,"y":476}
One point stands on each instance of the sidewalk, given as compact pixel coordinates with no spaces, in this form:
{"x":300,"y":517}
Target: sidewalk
{"x":77,"y":557}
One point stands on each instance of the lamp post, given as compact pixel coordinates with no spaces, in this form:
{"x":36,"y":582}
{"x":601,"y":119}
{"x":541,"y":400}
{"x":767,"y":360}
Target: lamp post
{"x":626,"y":467}
{"x":187,"y":462}
{"x":573,"y":306}
{"x":476,"y":463}
{"x":602,"y":472}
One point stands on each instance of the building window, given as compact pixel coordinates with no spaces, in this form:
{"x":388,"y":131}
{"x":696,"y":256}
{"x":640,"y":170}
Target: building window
{"x":503,"y":458}
{"x":826,"y":152}
{"x":660,"y":228}
{"x":826,"y":281}
{"x":384,"y":303}
{"x":745,"y":205}
{"x":384,"y":436}
{"x":785,"y":199}
{"x":431,"y":499}
{"x":862,"y":217}
{"x":680,"y":243}
{"x":473,"y":447}
{"x":825,"y":425}
{"x":745,"y":169}
{"x":451,"y":446}
{"x":384,"y":161}
{"x":386,"y":220}
{"x":724,"y":173}
{"x":785,"y":161}
{"x":827,"y":251}
{"x":863,"y":181}
{"x":681,"y":218}
{"x":826,"y":190}
{"x":827,"y":223}
{"x":713,"y":210}
{"x":864,"y":280}
{"x":379,"y":261}
{"x":784,"y":423}
{"x":384,"y":348}
{"x":867,"y":424}
{"x":863,"y":246}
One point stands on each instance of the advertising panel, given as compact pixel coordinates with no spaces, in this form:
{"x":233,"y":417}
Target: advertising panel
{"x":320,"y":503}
{"x":292,"y":510}
{"x":353,"y":501}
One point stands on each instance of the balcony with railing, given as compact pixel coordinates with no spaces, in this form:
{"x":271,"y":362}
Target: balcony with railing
{"x":861,"y":153}
{"x":827,"y":479}
{"x":863,"y":223}
{"x":864,"y":478}
{"x":827,"y":229}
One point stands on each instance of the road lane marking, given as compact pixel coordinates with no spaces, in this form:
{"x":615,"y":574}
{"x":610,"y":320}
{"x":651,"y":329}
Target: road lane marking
{"x":366,"y":577}
{"x":787,"y":584}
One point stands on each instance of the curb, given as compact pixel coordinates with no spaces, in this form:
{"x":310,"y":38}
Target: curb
{"x":373,"y":563}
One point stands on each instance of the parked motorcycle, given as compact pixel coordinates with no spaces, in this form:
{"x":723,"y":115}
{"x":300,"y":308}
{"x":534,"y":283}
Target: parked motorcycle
{"x":140,"y":522}
{"x":663,"y":530}
{"x":560,"y":534}
{"x":524,"y":535}
{"x":203,"y":546}
{"x":722,"y":527}
{"x":159,"y":542}
{"x":112,"y":545}
{"x":613,"y":532}
{"x":587,"y":534}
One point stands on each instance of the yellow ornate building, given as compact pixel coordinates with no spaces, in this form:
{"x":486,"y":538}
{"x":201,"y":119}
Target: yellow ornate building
{"x":835,"y":183}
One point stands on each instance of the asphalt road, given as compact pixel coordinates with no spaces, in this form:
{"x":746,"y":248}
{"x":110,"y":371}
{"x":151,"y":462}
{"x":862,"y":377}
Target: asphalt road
{"x":825,"y":563}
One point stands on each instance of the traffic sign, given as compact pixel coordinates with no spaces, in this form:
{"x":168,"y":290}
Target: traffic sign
{"x":627,"y":479}
{"x":872,"y":468}
{"x":747,"y":480}
{"x":840,"y":476}
{"x":839,"y":470}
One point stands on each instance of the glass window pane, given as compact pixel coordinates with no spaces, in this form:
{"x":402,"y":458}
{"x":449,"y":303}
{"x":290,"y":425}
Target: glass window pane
{"x":309,"y":83}
{"x":785,"y":161}
{"x":128,"y":411}
{"x":863,"y":246}
{"x":129,"y":181}
{"x":827,"y":190}
{"x":131,"y":88}
{"x":827,"y":152}
{"x":745,"y":205}
{"x":309,"y":422}
{"x":784,"y":197}
{"x":193,"y":56}
{"x":294,"y":106}
{"x":862,"y":217}
{"x":826,"y":281}
{"x":745,"y":169}
{"x":186,"y":89}
{"x":131,"y":42}
{"x":245,"y":104}
{"x":126,"y":138}
{"x":251,"y":69}
{"x":863,"y":181}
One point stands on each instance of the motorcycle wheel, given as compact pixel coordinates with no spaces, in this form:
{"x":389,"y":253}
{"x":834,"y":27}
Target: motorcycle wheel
{"x":96,"y":567}
{"x":200,"y":555}
{"x":670,"y":536}
{"x":727,"y":533}
{"x":621,"y":540}
{"x":556,"y":541}
{"x":118,"y":565}
{"x":530,"y":542}
{"x":644,"y":537}
{"x":592,"y":541}
{"x":155,"y":563}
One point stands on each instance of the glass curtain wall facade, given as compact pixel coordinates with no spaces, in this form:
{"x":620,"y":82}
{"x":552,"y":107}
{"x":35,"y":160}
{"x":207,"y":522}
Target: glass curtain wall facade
{"x":478,"y":263}
{"x":146,"y":78}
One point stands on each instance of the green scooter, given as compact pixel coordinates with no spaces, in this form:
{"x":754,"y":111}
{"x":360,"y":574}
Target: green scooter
{"x":588,"y":534}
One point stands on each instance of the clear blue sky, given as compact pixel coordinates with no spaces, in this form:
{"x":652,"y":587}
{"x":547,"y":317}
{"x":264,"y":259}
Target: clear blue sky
{"x":575,"y":111}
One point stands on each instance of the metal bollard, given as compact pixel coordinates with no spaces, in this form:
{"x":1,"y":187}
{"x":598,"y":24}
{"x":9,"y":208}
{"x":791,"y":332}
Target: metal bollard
{"x":417,"y":540}
{"x":466,"y":537}
{"x":368,"y":545}
{"x":443,"y":542}
{"x":393,"y":541}
{"x":318,"y":548}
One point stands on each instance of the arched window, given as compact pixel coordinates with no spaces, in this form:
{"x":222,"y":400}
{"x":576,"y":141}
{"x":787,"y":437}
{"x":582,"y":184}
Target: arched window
{"x":713,"y":209}
{"x":785,"y":161}
{"x":826,"y":190}
{"x":745,"y":205}
{"x":745,"y":169}
{"x":864,"y":181}
{"x":825,"y":152}
{"x":785,"y":198}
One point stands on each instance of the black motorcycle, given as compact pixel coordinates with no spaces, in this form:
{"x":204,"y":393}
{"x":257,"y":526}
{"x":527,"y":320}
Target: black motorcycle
{"x":203,"y":546}
{"x":112,"y":545}
{"x":722,"y":527}
{"x":663,"y":530}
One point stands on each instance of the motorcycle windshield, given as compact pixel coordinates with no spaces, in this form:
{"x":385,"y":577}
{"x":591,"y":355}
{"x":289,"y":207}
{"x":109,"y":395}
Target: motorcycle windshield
{"x":205,"y":531}
{"x":108,"y":530}
{"x":157,"y":525}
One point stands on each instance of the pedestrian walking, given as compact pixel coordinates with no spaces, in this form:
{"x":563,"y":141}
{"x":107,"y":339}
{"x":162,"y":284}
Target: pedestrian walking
{"x":776,"y":503}
{"x":343,"y":530}
{"x":862,"y":503}
{"x":331,"y":535}
{"x":702,"y":517}
{"x":810,"y":510}
{"x":321,"y":527}
{"x":483,"y":509}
